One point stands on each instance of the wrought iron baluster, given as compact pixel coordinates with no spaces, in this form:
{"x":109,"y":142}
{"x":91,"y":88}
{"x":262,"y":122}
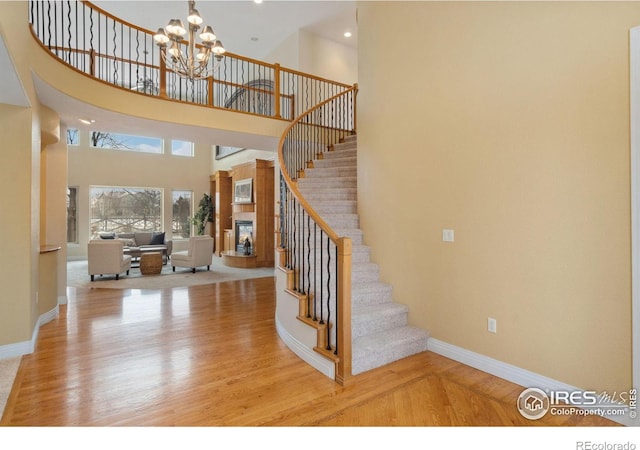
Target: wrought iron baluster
{"x":328,"y":290}
{"x":315,"y":271}
{"x":68,"y":31}
{"x":321,"y":278}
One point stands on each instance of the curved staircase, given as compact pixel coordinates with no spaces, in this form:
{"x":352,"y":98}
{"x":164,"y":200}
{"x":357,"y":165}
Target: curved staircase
{"x":379,"y":329}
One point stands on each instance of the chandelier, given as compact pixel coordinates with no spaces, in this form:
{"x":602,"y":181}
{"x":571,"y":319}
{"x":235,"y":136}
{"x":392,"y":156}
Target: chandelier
{"x":193,"y":65}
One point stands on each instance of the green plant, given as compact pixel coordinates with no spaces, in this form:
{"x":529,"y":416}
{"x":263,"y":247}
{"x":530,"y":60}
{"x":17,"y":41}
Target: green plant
{"x":203,"y":214}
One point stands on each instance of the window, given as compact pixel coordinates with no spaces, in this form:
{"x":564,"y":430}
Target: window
{"x":72,"y":136}
{"x":182,"y":148}
{"x":72,"y":215}
{"x":100,"y":139}
{"x":181,"y":222}
{"x":125,"y":209}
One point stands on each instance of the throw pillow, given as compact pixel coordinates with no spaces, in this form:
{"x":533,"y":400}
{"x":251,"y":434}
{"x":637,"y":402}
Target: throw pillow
{"x":107,"y":235}
{"x":157,"y":238}
{"x":128,"y":242}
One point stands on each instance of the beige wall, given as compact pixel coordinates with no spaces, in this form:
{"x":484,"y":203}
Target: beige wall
{"x":101,"y":167}
{"x":509,"y":123}
{"x":19,"y":192}
{"x":314,"y":54}
{"x":19,"y":258}
{"x":327,"y":58}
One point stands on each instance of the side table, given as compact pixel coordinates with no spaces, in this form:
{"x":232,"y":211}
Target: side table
{"x":151,"y":263}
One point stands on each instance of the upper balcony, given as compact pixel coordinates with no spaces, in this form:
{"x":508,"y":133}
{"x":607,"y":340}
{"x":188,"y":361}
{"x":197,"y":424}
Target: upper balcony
{"x":242,"y":102}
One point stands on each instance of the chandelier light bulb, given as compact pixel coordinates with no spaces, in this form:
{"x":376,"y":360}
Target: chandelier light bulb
{"x":174,"y":50}
{"x":218,"y":49}
{"x":176,"y":27}
{"x":208,"y":35}
{"x":161,"y":37}
{"x":194,"y":18}
{"x":202,"y":55}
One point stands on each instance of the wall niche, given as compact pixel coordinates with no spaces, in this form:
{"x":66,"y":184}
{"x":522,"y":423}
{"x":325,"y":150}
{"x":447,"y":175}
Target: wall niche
{"x":244,"y":200}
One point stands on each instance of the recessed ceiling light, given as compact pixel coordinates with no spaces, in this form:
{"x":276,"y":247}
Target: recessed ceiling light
{"x":347,"y":34}
{"x":87,"y":122}
{"x":257,"y":1}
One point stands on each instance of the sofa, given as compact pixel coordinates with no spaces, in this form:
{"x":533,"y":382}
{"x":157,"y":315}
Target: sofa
{"x":139,"y":242}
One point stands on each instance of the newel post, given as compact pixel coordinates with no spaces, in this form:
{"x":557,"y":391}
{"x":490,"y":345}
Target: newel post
{"x":276,"y":81}
{"x":343,"y":370}
{"x":163,"y":78}
{"x":355,"y":109}
{"x":210,"y":87}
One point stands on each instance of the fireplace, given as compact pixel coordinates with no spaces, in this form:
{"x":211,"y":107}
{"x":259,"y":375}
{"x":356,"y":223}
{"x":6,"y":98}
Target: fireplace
{"x":244,"y":230}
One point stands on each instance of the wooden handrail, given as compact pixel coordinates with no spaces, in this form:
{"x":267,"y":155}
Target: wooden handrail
{"x":292,"y":186}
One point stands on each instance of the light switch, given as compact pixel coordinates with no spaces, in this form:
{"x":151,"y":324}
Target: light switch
{"x":447,"y":235}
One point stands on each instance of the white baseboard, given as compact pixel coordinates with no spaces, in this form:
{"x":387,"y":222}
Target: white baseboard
{"x":511,"y":373}
{"x":312,"y":358}
{"x":62,"y":300}
{"x":26,"y":347}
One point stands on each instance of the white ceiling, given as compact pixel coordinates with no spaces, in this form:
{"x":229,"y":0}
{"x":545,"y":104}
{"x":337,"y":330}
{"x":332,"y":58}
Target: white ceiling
{"x":235,"y":22}
{"x":247,"y":28}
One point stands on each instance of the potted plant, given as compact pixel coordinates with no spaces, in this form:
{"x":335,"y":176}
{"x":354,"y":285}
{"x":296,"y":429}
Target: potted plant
{"x":203,"y":214}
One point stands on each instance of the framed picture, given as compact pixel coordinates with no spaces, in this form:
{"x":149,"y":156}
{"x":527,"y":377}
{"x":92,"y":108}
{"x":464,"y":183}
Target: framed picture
{"x":223,"y":151}
{"x":243,"y":192}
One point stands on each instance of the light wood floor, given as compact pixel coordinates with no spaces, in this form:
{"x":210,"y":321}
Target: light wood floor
{"x":209,"y":356}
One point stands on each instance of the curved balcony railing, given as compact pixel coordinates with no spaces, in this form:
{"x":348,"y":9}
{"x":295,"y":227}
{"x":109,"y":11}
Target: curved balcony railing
{"x":316,"y":258}
{"x":98,"y":44}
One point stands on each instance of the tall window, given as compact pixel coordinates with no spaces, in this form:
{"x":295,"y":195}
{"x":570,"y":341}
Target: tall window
{"x":125,"y":209}
{"x":72,"y":214}
{"x":101,"y":139}
{"x":72,"y":136}
{"x":181,"y":148}
{"x":181,"y":223}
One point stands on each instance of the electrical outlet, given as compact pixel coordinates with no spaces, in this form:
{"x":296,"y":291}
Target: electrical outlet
{"x":492,"y":325}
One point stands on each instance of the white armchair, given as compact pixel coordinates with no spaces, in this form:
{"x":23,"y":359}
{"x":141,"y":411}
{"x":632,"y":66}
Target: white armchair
{"x":200,"y":253}
{"x":105,"y":256}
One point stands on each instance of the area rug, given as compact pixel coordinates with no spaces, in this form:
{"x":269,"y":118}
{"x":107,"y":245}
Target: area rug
{"x":8,"y":371}
{"x":77,"y":276}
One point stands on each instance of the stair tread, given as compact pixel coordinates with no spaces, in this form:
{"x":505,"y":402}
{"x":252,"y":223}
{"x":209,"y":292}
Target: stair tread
{"x":371,"y":286}
{"x":363,"y":267}
{"x":401,"y":333}
{"x":361,"y":312}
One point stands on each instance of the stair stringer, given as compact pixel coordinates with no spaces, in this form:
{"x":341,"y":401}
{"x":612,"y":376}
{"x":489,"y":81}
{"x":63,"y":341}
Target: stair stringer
{"x":297,"y":335}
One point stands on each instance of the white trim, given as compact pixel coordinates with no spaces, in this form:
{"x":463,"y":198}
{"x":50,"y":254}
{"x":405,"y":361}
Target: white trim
{"x":62,"y":300}
{"x":312,"y":358}
{"x":26,"y":347}
{"x":634,"y":92}
{"x":508,"y":372}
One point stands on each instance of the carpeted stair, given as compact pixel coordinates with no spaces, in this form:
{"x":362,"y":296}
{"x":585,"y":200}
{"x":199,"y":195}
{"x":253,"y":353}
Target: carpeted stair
{"x":380,"y":333}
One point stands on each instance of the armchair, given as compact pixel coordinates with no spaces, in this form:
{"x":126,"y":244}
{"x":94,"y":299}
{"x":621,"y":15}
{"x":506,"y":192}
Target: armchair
{"x":200,"y":253}
{"x":106,"y":256}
